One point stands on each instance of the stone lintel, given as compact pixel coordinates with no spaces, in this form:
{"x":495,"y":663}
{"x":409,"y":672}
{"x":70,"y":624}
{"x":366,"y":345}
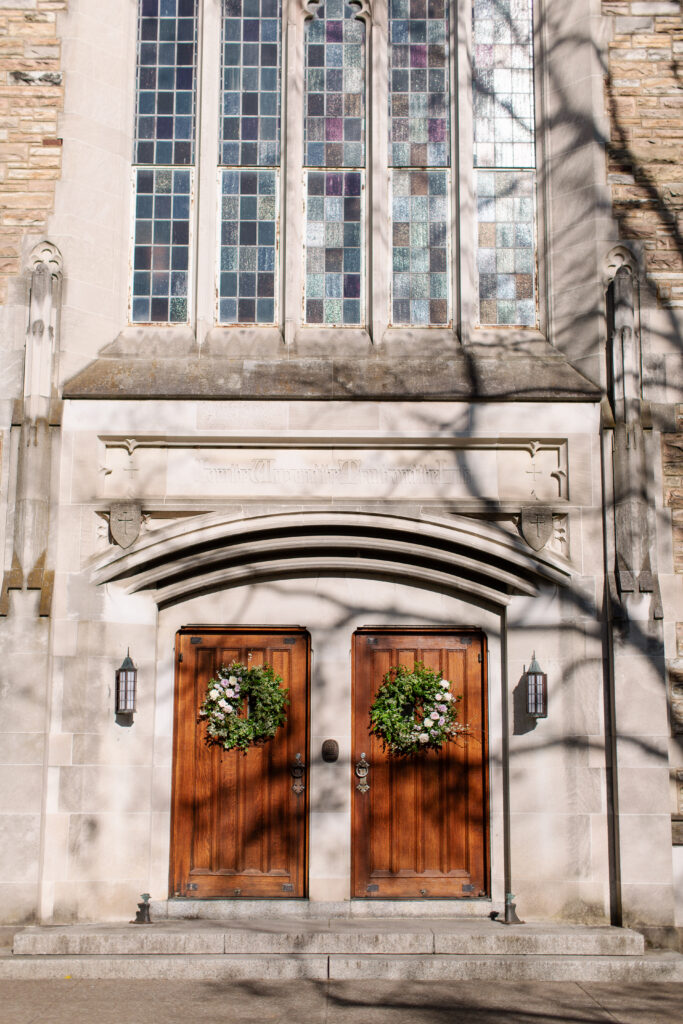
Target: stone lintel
{"x":464,"y":375}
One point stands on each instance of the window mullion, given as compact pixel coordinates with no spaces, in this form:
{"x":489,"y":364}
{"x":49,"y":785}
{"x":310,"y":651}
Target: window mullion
{"x":463,"y":180}
{"x":208,"y":98}
{"x":379,"y":243}
{"x":292,"y":163}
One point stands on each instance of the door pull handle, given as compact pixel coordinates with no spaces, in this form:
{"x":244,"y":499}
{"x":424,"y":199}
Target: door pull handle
{"x":298,"y":770}
{"x":362,"y":770}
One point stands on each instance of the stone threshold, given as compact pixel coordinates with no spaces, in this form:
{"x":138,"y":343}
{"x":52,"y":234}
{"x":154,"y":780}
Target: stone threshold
{"x":229,"y":909}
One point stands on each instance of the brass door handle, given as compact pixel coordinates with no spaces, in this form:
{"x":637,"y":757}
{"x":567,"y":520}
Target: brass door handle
{"x":362,"y":771}
{"x":298,"y":770}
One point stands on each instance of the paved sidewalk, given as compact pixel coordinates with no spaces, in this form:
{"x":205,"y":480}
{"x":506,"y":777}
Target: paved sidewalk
{"x":307,"y":1002}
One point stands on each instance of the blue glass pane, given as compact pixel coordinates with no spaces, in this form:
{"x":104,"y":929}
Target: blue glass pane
{"x":161,"y":246}
{"x":334,"y":95}
{"x":166,"y":82}
{"x":250,"y":120}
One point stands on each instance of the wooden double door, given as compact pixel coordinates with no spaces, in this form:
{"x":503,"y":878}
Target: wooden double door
{"x":419,"y":826}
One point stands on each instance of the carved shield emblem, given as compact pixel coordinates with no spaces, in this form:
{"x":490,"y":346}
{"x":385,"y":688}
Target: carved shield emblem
{"x":125,"y":520}
{"x":536,"y":525}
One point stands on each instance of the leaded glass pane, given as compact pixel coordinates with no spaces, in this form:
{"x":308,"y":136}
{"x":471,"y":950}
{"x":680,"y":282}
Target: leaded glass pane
{"x":418,"y":83}
{"x":502,"y":78}
{"x":161,"y":245}
{"x":250,"y":122}
{"x":420,"y":248}
{"x":506,"y":247}
{"x":334,"y":238}
{"x":334,"y":116}
{"x":166,"y":82}
{"x":248,"y":246}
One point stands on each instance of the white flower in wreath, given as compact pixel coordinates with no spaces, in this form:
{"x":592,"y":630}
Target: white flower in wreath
{"x":448,"y":696}
{"x":444,"y":684}
{"x":434,"y":716}
{"x":222,"y":703}
{"x":232,"y":680}
{"x":214,"y":694}
{"x":229,"y":692}
{"x":424,"y":737}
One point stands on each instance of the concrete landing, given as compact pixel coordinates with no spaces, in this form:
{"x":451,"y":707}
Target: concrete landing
{"x":263,"y":948}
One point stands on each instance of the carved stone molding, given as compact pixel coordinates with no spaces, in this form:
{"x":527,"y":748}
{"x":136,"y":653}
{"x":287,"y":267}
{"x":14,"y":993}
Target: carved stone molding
{"x":47,"y":253}
{"x":619,"y":256}
{"x":309,"y":8}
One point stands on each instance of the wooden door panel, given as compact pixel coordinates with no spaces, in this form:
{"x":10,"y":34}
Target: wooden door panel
{"x":238,"y":828}
{"x":422,"y":827}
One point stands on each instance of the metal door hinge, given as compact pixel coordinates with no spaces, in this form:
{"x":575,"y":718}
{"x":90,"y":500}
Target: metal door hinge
{"x":196,"y":640}
{"x":191,"y":885}
{"x":288,"y":887}
{"x":289,"y":640}
{"x":372,"y":888}
{"x":180,"y":657}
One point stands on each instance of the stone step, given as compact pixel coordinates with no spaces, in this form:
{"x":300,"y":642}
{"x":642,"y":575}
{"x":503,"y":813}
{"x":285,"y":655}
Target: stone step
{"x":648,"y":968}
{"x":332,"y":936}
{"x":227,"y":910}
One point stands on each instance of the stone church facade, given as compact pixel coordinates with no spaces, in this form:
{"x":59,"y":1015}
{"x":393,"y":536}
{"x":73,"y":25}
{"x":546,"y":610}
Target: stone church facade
{"x":384,"y":367}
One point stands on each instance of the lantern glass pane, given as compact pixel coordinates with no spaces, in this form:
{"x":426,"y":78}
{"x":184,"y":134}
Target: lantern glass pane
{"x":125,"y":701}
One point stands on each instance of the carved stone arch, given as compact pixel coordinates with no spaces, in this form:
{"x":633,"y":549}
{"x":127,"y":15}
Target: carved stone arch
{"x":216,"y":551}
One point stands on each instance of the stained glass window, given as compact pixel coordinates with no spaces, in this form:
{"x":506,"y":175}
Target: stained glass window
{"x":248,"y":246}
{"x":419,"y":138}
{"x":334,"y":138}
{"x":161,"y":253}
{"x":250,"y":123}
{"x":419,"y":77}
{"x":250,"y":142}
{"x":164,"y":142}
{"x":420,"y":247}
{"x":504,"y":159}
{"x":333,"y":247}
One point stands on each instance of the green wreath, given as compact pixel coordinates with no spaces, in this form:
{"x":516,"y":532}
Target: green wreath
{"x":243,"y":706}
{"x":414,"y":710}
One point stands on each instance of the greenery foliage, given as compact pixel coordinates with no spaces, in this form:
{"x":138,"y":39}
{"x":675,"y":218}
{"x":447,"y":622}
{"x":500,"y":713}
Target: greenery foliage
{"x":414,"y":710}
{"x":243,"y":706}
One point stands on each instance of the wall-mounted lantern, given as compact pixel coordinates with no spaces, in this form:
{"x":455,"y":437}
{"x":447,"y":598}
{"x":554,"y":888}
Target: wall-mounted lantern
{"x":536,"y":690}
{"x":126,"y":687}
